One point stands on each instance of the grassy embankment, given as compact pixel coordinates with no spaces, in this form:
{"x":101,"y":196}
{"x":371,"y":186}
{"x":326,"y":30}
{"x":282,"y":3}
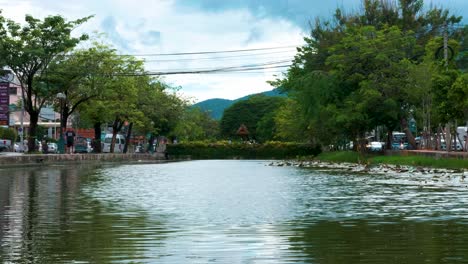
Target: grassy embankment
{"x":354,"y":157}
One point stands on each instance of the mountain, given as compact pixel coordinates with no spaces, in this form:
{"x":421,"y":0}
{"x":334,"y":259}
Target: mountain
{"x":216,"y":106}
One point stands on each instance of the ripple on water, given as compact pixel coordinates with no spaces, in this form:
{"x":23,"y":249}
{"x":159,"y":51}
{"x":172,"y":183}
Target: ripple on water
{"x":231,"y":212}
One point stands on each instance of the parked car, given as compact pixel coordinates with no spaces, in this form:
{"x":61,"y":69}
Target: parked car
{"x":5,"y":145}
{"x":81,"y":145}
{"x":375,"y":146}
{"x":52,"y":147}
{"x":459,"y":146}
{"x":399,"y":145}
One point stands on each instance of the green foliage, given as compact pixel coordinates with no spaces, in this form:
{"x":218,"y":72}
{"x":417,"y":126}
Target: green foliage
{"x":462,"y":57}
{"x":29,"y":49}
{"x":449,"y":95}
{"x":194,"y":124}
{"x":8,"y":133}
{"x":450,"y":163}
{"x":412,"y":160}
{"x":250,"y":112}
{"x":224,"y":150}
{"x":81,"y":76}
{"x":289,"y":125}
{"x":369,"y":69}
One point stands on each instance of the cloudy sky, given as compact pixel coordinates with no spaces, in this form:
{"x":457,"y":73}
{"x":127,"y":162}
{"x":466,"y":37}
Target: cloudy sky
{"x":156,"y":27}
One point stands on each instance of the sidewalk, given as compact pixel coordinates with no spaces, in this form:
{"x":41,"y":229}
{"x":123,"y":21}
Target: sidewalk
{"x":9,"y":153}
{"x":20,"y":159}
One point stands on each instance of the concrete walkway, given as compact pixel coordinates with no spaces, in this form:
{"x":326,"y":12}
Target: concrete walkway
{"x":20,"y":159}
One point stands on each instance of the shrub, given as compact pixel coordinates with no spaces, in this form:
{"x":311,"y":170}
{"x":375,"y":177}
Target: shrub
{"x":8,"y":133}
{"x":225,"y":150}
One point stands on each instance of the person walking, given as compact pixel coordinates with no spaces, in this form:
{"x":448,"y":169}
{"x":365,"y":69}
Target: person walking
{"x":70,"y":135}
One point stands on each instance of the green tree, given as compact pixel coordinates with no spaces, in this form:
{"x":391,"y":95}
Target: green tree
{"x":290,"y":126}
{"x":29,"y":49}
{"x":8,"y":133}
{"x":195,"y":125}
{"x":81,"y":76}
{"x":160,"y":108}
{"x":353,"y":73}
{"x":462,"y":58}
{"x":249,"y":112}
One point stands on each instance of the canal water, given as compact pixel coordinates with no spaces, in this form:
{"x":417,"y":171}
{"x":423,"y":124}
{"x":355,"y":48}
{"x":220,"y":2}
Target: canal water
{"x":228,"y":212}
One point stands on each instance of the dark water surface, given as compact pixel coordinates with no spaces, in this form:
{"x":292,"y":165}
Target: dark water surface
{"x":228,"y":212}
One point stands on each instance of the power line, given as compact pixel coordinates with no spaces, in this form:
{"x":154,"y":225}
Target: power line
{"x":208,"y":52}
{"x":172,"y":71}
{"x":220,"y":70}
{"x":267,"y":63}
{"x":219,"y":57}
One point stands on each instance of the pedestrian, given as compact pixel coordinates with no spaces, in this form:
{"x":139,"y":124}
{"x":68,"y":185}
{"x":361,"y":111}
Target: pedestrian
{"x":70,"y":135}
{"x":45,"y":147}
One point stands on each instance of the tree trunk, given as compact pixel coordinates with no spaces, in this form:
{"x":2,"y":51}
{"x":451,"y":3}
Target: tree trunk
{"x":389,"y":141}
{"x":439,"y":138}
{"x":409,"y":135}
{"x":65,"y":116}
{"x":97,"y":148}
{"x":448,"y":137}
{"x":114,"y":136}
{"x":127,"y":138}
{"x":116,"y":127}
{"x":150,"y":143}
{"x":34,"y":118}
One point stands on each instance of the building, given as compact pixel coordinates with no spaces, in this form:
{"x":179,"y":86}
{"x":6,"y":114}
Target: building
{"x":19,"y":119}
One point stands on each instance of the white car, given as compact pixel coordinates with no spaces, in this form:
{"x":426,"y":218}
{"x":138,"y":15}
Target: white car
{"x":52,"y":147}
{"x":375,"y":146}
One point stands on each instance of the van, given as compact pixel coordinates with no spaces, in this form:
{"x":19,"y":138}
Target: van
{"x":119,"y":143}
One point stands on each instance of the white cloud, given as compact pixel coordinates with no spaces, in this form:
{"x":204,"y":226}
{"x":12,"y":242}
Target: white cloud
{"x":160,"y":27}
{"x":166,"y":26}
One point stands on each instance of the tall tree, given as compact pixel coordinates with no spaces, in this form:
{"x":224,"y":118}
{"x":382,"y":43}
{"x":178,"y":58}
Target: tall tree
{"x":28,"y":50}
{"x":354,"y":68}
{"x":249,"y":112}
{"x":195,"y":125}
{"x":81,"y":76}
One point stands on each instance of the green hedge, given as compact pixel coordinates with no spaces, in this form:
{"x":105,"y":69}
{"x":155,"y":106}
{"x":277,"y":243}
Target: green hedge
{"x":8,"y":133}
{"x":225,"y":150}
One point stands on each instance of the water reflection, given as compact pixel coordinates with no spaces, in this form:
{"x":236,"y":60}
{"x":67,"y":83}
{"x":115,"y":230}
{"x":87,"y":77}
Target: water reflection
{"x":45,"y":218}
{"x":227,"y":212}
{"x":382,"y":241}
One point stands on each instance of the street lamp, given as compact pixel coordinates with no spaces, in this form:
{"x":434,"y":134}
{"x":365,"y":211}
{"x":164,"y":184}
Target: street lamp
{"x":61,"y":143}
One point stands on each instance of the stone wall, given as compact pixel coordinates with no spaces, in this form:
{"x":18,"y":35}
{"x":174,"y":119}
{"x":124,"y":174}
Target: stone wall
{"x":38,"y":159}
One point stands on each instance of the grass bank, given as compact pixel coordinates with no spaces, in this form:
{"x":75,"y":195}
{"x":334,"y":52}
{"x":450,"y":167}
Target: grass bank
{"x":354,"y":157}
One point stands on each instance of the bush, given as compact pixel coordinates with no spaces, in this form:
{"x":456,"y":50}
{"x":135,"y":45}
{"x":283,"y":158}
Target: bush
{"x":225,"y":150}
{"x":8,"y":133}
